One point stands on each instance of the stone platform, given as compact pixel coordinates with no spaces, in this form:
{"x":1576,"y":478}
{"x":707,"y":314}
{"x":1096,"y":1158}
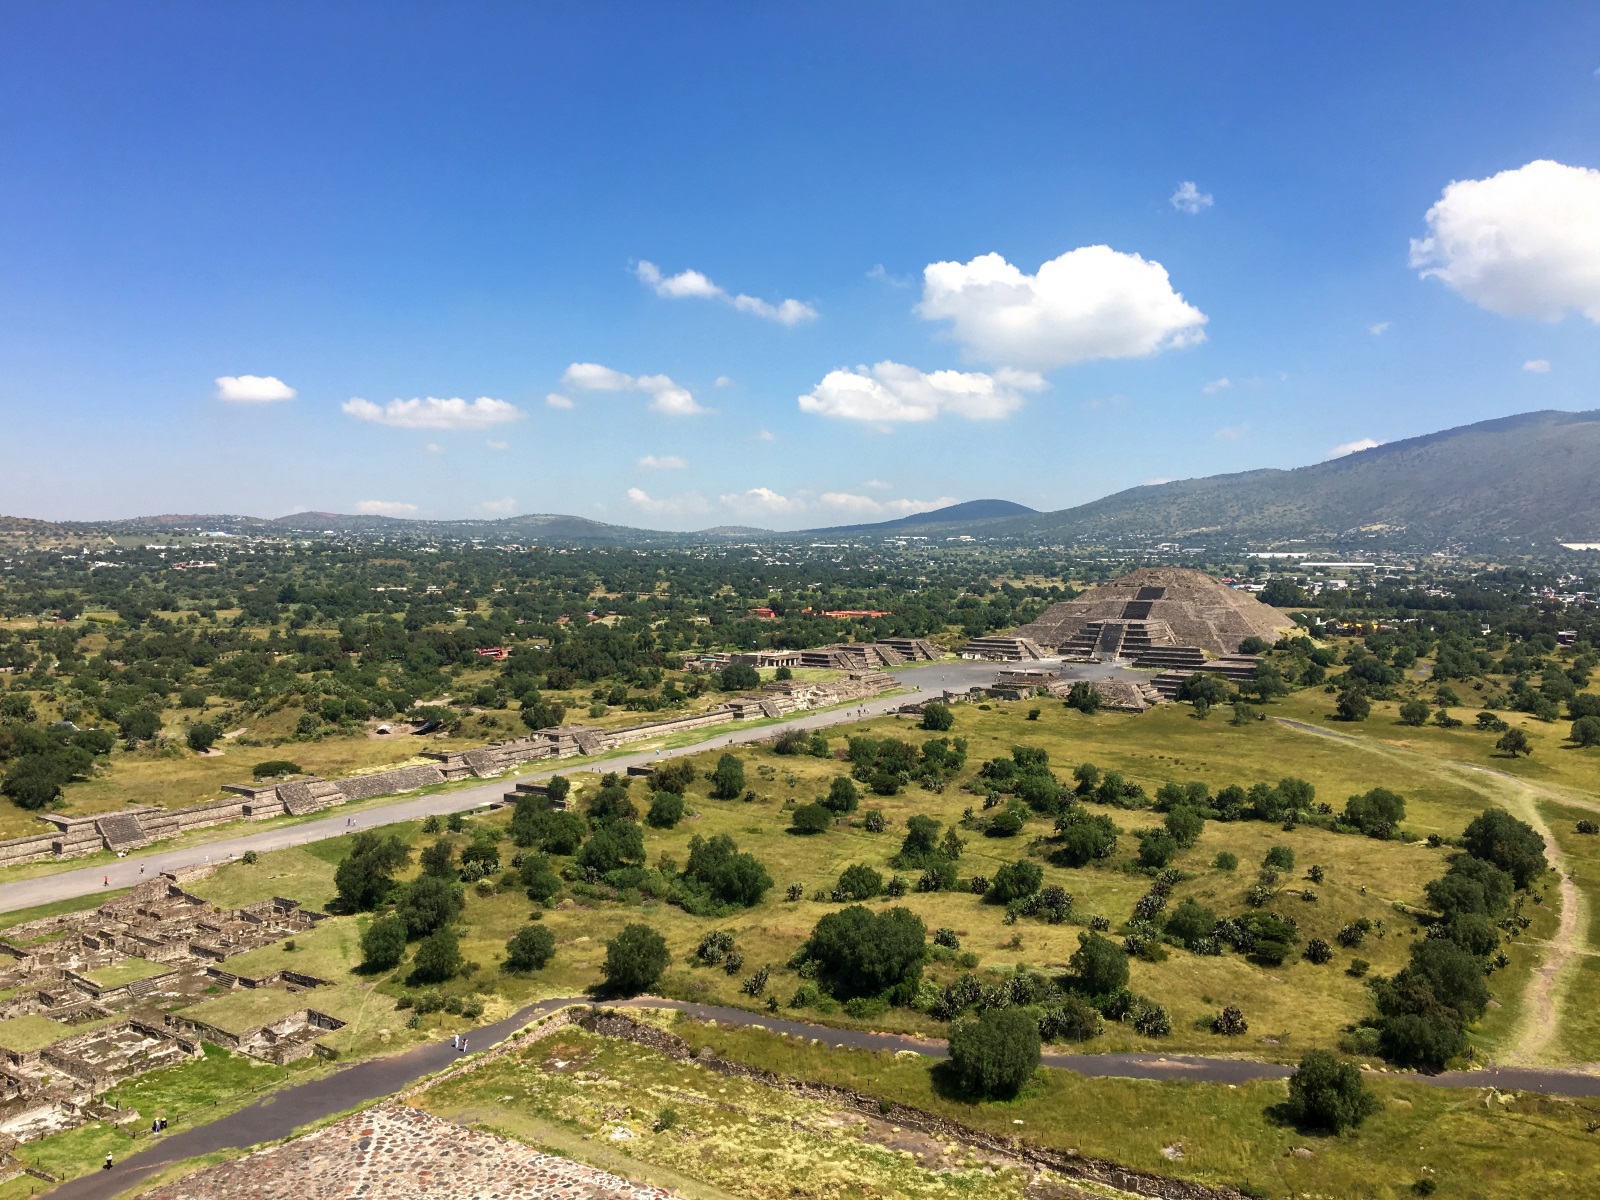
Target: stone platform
{"x":396,"y":1153}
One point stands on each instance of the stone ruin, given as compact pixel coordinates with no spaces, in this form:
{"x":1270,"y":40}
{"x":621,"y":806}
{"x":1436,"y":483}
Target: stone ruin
{"x":73,"y":971}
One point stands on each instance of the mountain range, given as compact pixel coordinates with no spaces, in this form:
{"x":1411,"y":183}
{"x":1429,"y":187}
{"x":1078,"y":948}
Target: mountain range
{"x":1530,"y":478}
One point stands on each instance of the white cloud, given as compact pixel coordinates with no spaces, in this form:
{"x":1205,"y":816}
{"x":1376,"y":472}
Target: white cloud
{"x":662,"y":462}
{"x":494,"y":445}
{"x":253,"y":389}
{"x":1353,"y":447}
{"x":385,"y":508}
{"x":1378,"y":329}
{"x":668,"y":506}
{"x":666,"y":397}
{"x":1537,"y":366}
{"x":1190,"y":199}
{"x":890,"y":391}
{"x":1217,"y":385}
{"x":760,"y":500}
{"x":557,"y":400}
{"x":503,"y":507}
{"x":877,"y":485}
{"x":434,"y":448}
{"x":722,"y":381}
{"x":880,"y":274}
{"x":1523,"y":243}
{"x":1233,"y":433}
{"x":766,"y":435}
{"x":694,"y":285}
{"x":866,"y":505}
{"x":1092,"y":302}
{"x":433,"y":413}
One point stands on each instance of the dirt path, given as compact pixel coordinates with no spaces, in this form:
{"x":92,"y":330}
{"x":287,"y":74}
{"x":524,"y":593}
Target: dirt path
{"x":1550,"y":979}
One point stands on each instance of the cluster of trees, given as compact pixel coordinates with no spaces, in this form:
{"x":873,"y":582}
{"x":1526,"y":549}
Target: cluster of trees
{"x":1422,"y":1011}
{"x":888,"y":764}
{"x":39,"y":762}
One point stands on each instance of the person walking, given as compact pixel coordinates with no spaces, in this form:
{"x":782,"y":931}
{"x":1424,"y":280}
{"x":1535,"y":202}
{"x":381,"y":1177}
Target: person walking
{"x":107,"y":1167}
{"x":463,"y":1045}
{"x":106,"y":882}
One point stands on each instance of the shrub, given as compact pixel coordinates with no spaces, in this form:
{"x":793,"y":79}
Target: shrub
{"x":1099,"y":966}
{"x":859,"y":882}
{"x":1070,"y":1021}
{"x":860,"y":953}
{"x":1327,"y":1094}
{"x":383,"y":943}
{"x":1083,"y":838}
{"x":666,"y":810}
{"x":1318,"y":951}
{"x":1191,"y":923}
{"x":563,"y":833}
{"x":921,"y":843}
{"x":717,"y":868}
{"x":674,"y":775}
{"x":727,"y":780}
{"x":274,"y":767}
{"x":811,"y":818}
{"x":1280,"y":858}
{"x":1157,"y":848}
{"x":738,"y":677}
{"x":1586,"y":731}
{"x":937,"y":716}
{"x":1376,"y":813}
{"x":842,"y":795}
{"x":1414,"y":713}
{"x":531,"y":948}
{"x":1353,"y":705}
{"x":994,"y":1055}
{"x":1152,"y":1020}
{"x":946,"y":938}
{"x":1226,"y":860}
{"x":1512,"y":845}
{"x":1004,"y":824}
{"x":635,"y":959}
{"x":1185,"y":825}
{"x":438,"y":957}
{"x":873,"y":821}
{"x":792,"y":741}
{"x":619,"y":844}
{"x":249,"y":857}
{"x":1230,"y":1022}
{"x":1015,"y":881}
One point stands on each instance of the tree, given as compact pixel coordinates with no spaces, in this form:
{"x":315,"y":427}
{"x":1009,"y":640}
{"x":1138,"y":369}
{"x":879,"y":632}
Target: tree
{"x":1586,"y":731}
{"x":860,"y":882}
{"x":1281,"y":593}
{"x":675,"y":775}
{"x":438,"y":957}
{"x":811,"y":818}
{"x":1191,"y":923}
{"x":1083,"y":838}
{"x":859,"y":953}
{"x":842,"y":796}
{"x":202,"y":736}
{"x":539,"y":713}
{"x":666,"y":810}
{"x":1514,"y":742}
{"x":727,"y":780}
{"x":738,"y":677}
{"x":921,"y":843}
{"x":1203,"y":686}
{"x":365,"y":877}
{"x":1084,"y":697}
{"x":1157,"y":847}
{"x":1099,"y":966}
{"x":539,"y":878}
{"x":138,"y":724}
{"x":937,"y":716}
{"x":430,"y":903}
{"x":528,"y":819}
{"x":1015,"y":881}
{"x":1185,"y":825}
{"x":1279,"y":858}
{"x":1327,"y":1094}
{"x":619,"y":844}
{"x":1377,"y":813}
{"x":36,"y":780}
{"x":993,"y":1055}
{"x":717,"y":866}
{"x":1353,"y":705}
{"x":1512,"y":845}
{"x":1414,"y":713}
{"x":530,"y":948}
{"x":439,"y":859}
{"x":635,"y":959}
{"x":383,"y":944}
{"x":563,"y":833}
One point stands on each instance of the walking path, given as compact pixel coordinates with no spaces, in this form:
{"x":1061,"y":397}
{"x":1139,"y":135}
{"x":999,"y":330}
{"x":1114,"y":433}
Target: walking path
{"x":278,"y":1115}
{"x":921,"y":683}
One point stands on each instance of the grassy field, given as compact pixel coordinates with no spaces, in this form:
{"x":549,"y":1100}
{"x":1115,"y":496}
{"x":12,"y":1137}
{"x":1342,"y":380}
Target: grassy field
{"x":33,"y":1032}
{"x":129,"y":970}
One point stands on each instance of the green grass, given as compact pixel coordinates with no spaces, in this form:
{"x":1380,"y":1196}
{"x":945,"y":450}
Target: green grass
{"x":129,"y":970}
{"x":199,"y":1084}
{"x":56,"y":908}
{"x":249,"y":1008}
{"x":33,"y":1032}
{"x":330,"y":950}
{"x":296,"y":873}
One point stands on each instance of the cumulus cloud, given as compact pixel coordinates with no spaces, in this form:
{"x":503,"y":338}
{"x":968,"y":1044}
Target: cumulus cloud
{"x":877,"y":485}
{"x":1537,"y":366}
{"x":693,"y":285}
{"x":761,"y":500}
{"x":866,"y":505}
{"x":502,"y":507}
{"x":666,"y":397}
{"x":1092,"y":302}
{"x":892,"y":392}
{"x":1523,"y":243}
{"x":433,"y":413}
{"x":1378,"y":328}
{"x":385,"y":508}
{"x":661,"y":462}
{"x":667,"y":506}
{"x":1217,"y":385}
{"x":1190,"y":199}
{"x":722,"y":381}
{"x":880,"y":274}
{"x":253,"y":389}
{"x":557,"y":400}
{"x":1353,"y":447}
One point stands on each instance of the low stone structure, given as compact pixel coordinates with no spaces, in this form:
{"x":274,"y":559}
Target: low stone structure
{"x":1002,"y":649}
{"x":392,"y":1152}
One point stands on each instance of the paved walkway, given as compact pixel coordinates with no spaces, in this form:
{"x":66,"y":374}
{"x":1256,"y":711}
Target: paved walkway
{"x":279,"y":1114}
{"x":922,"y":683}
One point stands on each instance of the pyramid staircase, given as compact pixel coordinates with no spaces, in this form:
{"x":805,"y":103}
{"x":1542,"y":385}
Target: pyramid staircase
{"x":1002,"y":649}
{"x":122,"y":831}
{"x":303,"y":796}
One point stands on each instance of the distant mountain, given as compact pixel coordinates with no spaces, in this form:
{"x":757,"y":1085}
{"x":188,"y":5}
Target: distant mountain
{"x":1533,"y":477}
{"x":975,"y":513}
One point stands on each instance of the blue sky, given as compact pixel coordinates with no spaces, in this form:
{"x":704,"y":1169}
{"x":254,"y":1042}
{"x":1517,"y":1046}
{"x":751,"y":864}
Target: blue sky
{"x":371,"y":204}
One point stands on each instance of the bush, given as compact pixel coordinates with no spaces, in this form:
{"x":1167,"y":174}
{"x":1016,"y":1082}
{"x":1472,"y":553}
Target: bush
{"x":1586,"y":731}
{"x":620,"y":844}
{"x":842,"y":795}
{"x":937,"y":716}
{"x":738,"y":677}
{"x":383,"y":944}
{"x":249,"y":857}
{"x":1070,"y":1021}
{"x":1353,"y":705}
{"x":201,"y":737}
{"x":1015,"y":881}
{"x":860,"y":882}
{"x":1151,"y":1020}
{"x":994,"y":1055}
{"x":1414,"y":713}
{"x":539,"y":877}
{"x":635,"y":959}
{"x":1226,"y":860}
{"x":811,"y":818}
{"x":1327,"y":1094}
{"x":274,"y":767}
{"x":1318,"y":951}
{"x":1230,"y":1022}
{"x":430,"y":903}
{"x":531,"y":948}
{"x":438,"y":957}
{"x":1157,"y":848}
{"x":563,"y":833}
{"x":666,"y":810}
{"x":1185,"y":824}
{"x":718,"y":869}
{"x":1512,"y":845}
{"x":1191,"y":923}
{"x":1280,"y":858}
{"x":1377,"y":813}
{"x":1007,"y":823}
{"x":1099,"y":966}
{"x":674,"y":775}
{"x":860,"y":953}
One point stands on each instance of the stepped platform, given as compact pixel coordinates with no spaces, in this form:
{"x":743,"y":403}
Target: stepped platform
{"x":122,"y":830}
{"x":1236,"y":669}
{"x":913,"y":649}
{"x":1002,"y":649}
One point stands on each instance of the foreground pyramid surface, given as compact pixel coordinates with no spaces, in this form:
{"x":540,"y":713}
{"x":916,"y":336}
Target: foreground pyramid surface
{"x":1161,"y":606}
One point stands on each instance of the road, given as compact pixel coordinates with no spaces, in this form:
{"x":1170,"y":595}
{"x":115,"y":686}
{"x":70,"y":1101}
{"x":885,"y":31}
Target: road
{"x":922,"y":683}
{"x":279,"y":1114}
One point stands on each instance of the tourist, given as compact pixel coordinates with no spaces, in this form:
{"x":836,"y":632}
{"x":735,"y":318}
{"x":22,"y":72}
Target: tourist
{"x":107,"y":1167}
{"x":455,"y":1041}
{"x":106,"y":882}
